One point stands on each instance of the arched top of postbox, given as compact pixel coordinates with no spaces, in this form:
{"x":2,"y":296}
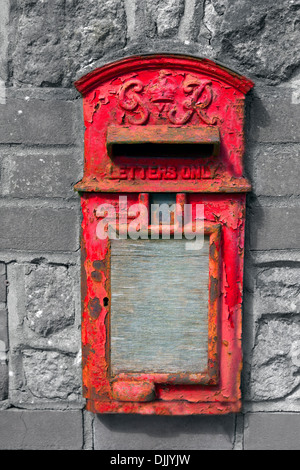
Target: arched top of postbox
{"x":172,"y":61}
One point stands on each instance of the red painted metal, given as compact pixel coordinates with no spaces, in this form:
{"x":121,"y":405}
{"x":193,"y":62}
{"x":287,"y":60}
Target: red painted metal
{"x":188,"y":100}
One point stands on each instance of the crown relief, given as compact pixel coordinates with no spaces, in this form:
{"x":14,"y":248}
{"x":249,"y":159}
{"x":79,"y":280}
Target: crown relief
{"x":176,"y":102}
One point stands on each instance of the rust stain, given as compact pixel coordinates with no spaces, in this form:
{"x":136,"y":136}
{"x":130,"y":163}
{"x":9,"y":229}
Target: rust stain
{"x":96,"y":276}
{"x":94,"y":308}
{"x":213,"y":289}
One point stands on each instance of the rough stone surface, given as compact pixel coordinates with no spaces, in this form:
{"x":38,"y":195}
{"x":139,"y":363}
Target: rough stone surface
{"x":276,"y":359}
{"x":276,"y":170}
{"x":55,"y":38}
{"x":51,"y":375}
{"x":112,"y":432}
{"x":38,"y":229}
{"x":278,"y":291}
{"x":55,"y":333}
{"x":49,"y":299}
{"x":272,"y":431}
{"x":163,"y":17}
{"x":41,"y":430}
{"x":42,"y":175}
{"x":257,"y":36}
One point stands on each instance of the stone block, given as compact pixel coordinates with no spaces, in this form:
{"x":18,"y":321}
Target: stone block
{"x":49,"y":300}
{"x":134,"y":432}
{"x":274,"y":115}
{"x":276,"y":170}
{"x":41,"y":430}
{"x":276,"y":359}
{"x":39,"y":229}
{"x":245,"y":35}
{"x":272,"y":431}
{"x":44,"y":336}
{"x":42,"y":175}
{"x":274,"y":228}
{"x":277,"y":291}
{"x":44,"y":306}
{"x":34,"y":121}
{"x":52,"y":375}
{"x":56,"y":38}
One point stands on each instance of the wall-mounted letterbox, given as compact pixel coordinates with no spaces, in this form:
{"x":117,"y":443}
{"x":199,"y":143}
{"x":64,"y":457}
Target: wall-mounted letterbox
{"x":162,"y":290}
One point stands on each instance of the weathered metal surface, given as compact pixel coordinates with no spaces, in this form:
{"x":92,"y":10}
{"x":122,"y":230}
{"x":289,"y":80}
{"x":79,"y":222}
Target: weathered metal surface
{"x":174,"y":92}
{"x":179,"y":93}
{"x":226,"y":267}
{"x":133,"y":390}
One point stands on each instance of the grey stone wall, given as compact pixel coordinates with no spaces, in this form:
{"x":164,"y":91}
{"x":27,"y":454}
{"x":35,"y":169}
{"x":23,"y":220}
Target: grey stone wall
{"x":44,"y":46}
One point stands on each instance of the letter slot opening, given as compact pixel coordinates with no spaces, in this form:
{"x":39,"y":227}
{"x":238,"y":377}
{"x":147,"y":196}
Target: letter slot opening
{"x":163,"y":141}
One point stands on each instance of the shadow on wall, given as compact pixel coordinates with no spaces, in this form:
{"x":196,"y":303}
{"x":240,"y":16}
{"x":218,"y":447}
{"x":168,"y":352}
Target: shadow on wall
{"x":257,"y":117}
{"x":164,"y":432}
{"x":254,"y":223}
{"x":167,"y":426}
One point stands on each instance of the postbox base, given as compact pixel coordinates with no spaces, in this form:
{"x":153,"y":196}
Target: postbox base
{"x":164,"y":408}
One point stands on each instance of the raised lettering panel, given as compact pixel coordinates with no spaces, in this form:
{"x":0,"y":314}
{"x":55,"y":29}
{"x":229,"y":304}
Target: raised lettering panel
{"x":159,"y":306}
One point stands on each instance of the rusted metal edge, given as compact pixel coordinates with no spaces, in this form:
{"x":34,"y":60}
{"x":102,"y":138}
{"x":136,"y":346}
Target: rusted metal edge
{"x":234,"y":185}
{"x":174,"y":407}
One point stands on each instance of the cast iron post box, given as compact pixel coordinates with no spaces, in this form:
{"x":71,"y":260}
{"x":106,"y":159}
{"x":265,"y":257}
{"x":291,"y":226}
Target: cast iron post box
{"x":161,"y":322}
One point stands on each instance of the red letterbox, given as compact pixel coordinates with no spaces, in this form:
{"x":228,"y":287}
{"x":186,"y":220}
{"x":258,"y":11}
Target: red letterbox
{"x":161,"y":324}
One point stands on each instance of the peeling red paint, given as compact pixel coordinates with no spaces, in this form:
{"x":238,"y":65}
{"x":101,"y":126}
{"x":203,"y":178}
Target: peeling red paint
{"x":165,"y":99}
{"x":135,"y":391}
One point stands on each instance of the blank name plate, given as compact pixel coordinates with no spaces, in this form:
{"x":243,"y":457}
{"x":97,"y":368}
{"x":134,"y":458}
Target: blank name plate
{"x":159,"y":306}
